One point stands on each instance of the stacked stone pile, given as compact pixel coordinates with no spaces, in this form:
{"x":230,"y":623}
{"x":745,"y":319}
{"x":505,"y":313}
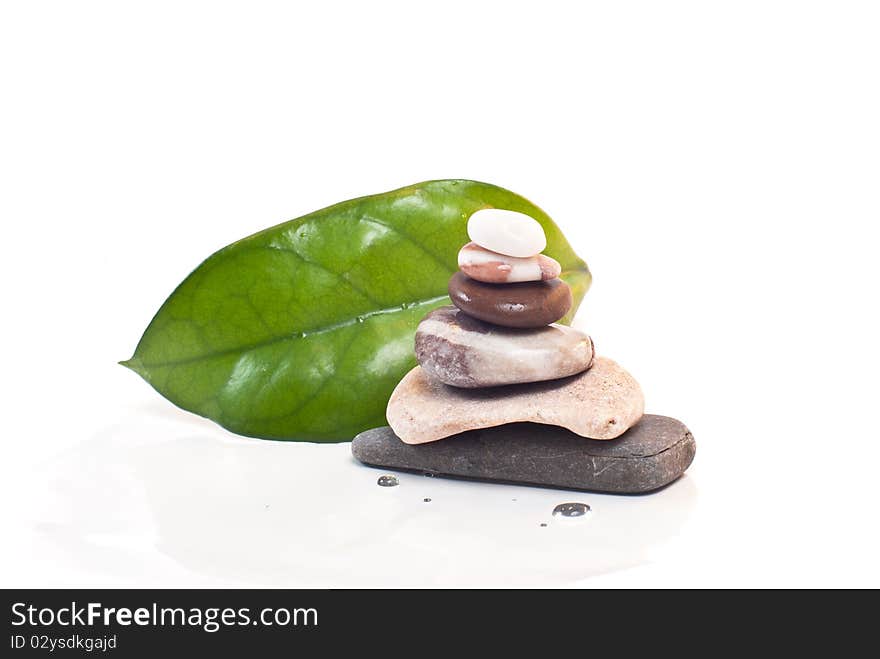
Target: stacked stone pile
{"x":501,"y":332}
{"x":497,"y":359}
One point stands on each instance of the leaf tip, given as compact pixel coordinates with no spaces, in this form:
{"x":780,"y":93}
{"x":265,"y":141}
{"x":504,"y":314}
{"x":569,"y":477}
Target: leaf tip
{"x":133,"y":364}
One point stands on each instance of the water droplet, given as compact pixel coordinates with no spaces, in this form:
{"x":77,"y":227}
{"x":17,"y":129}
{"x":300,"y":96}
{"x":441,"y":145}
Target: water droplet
{"x":571,"y":510}
{"x":387,"y":481}
{"x":427,"y":500}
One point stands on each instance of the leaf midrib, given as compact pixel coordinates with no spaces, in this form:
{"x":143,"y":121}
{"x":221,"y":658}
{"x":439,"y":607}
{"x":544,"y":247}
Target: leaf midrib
{"x":348,"y":322}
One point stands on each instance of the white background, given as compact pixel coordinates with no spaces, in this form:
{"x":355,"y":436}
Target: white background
{"x":716,"y":163}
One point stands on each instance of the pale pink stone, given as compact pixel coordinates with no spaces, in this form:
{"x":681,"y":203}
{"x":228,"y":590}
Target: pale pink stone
{"x":494,"y":268}
{"x":600,"y":403}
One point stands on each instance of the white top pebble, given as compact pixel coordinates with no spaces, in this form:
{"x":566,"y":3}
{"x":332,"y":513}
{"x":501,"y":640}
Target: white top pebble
{"x":507,"y":232}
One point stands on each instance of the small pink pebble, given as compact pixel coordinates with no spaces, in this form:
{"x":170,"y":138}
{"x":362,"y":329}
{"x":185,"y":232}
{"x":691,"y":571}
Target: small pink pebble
{"x":494,"y":268}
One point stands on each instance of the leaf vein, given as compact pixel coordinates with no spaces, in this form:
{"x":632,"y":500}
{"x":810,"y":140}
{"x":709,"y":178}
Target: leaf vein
{"x":338,"y":276}
{"x":409,"y":239}
{"x":293,"y":335}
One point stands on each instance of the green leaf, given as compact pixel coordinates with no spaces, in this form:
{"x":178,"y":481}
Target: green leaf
{"x":302,"y":331}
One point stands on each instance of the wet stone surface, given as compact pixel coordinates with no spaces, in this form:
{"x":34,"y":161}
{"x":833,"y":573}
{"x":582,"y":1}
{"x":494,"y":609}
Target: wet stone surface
{"x":526,"y":304}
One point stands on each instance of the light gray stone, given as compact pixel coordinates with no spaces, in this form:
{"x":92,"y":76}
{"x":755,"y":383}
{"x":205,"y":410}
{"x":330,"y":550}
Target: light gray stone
{"x":465,"y":352}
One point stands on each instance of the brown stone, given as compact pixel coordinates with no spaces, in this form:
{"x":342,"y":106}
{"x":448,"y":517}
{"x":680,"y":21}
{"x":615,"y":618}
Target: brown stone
{"x":526,"y":304}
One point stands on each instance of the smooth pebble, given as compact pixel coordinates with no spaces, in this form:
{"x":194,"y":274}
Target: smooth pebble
{"x":528,"y":304}
{"x":494,"y":268}
{"x":599,"y":403}
{"x":507,"y":232}
{"x":465,"y":352}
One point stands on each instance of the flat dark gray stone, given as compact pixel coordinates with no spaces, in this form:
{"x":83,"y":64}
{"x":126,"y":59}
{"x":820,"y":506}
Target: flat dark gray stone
{"x":651,"y":454}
